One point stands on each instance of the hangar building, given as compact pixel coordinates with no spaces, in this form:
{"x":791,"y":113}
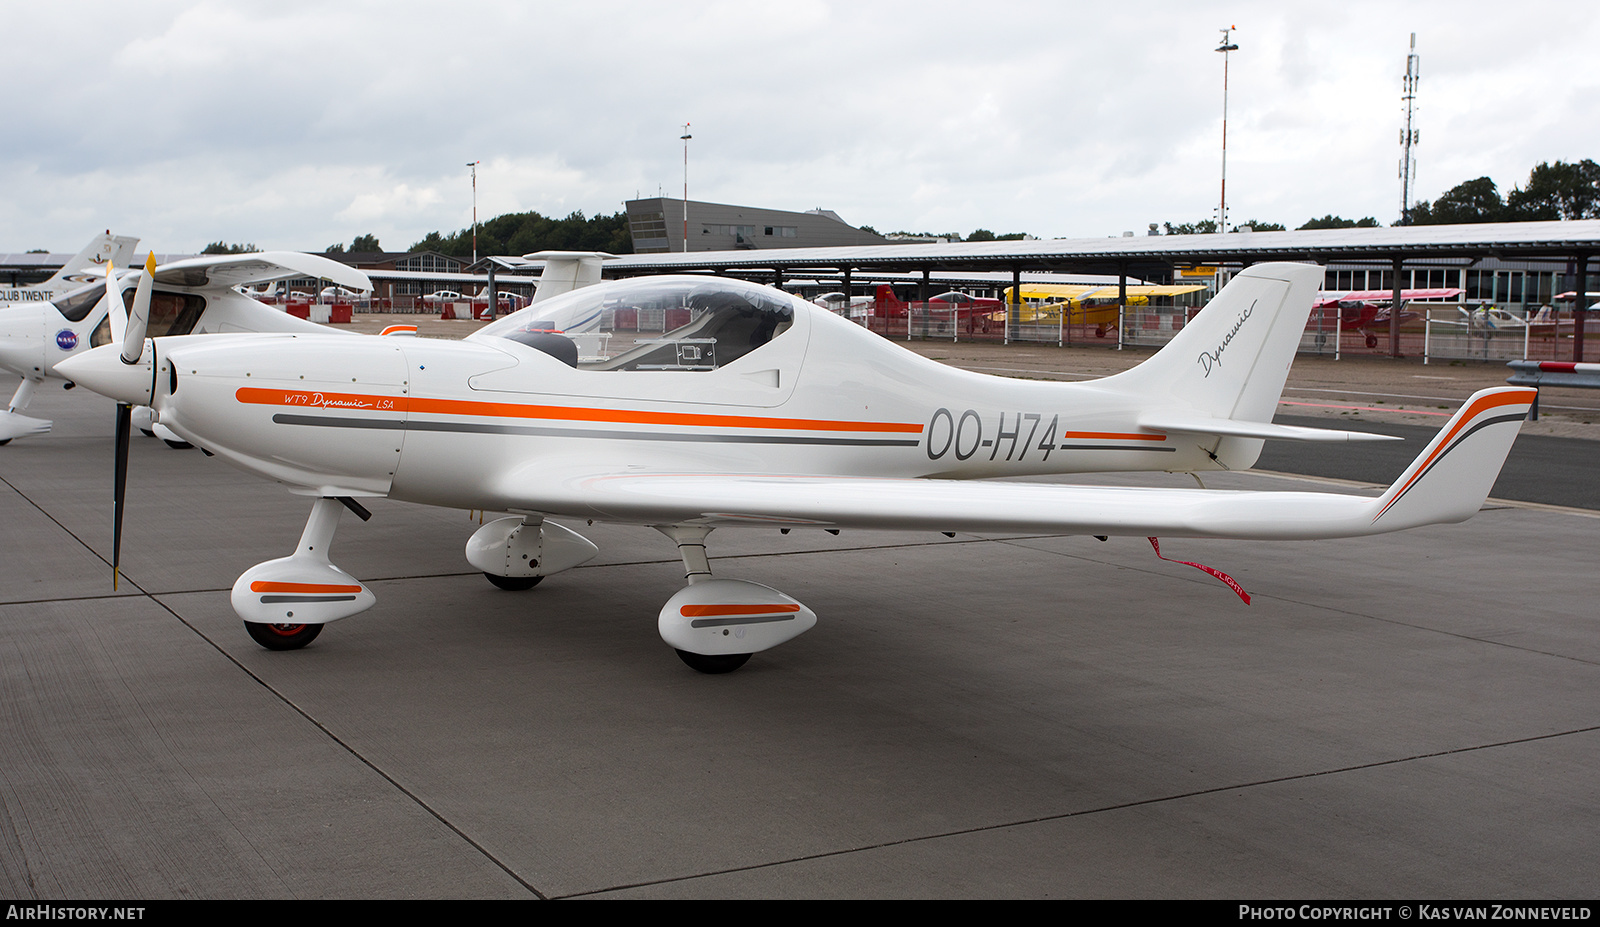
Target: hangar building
{"x":657,"y":226}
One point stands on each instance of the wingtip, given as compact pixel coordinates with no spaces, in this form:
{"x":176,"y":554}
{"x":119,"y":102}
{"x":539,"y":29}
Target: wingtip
{"x":1434,"y":491}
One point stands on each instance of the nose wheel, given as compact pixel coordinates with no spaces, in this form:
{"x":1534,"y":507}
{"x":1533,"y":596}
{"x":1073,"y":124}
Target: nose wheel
{"x":282,"y":636}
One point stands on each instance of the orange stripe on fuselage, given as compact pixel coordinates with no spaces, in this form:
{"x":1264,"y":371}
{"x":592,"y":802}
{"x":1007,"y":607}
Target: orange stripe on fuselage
{"x":708,"y":611}
{"x":314,"y":399}
{"x":262,"y":586}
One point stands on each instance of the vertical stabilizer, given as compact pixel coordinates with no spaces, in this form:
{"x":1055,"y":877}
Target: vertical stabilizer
{"x":102,"y":249}
{"x":1231,"y":361}
{"x":565,"y":271}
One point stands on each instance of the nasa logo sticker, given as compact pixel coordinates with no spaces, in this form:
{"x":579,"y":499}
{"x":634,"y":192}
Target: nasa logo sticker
{"x":66,"y":339}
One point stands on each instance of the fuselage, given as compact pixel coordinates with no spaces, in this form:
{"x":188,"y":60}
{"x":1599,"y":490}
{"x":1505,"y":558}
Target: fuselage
{"x":440,"y":422}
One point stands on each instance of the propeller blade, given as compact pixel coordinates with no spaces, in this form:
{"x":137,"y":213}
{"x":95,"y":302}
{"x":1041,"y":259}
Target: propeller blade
{"x":115,"y":314}
{"x":119,"y":490}
{"x":139,"y":314}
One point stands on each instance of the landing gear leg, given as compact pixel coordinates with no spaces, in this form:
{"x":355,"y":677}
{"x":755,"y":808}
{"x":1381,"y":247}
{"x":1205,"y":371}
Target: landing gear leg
{"x":691,"y":541}
{"x":23,"y":395}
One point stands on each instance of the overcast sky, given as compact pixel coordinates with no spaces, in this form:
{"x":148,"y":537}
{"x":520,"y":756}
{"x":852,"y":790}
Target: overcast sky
{"x":298,"y":125}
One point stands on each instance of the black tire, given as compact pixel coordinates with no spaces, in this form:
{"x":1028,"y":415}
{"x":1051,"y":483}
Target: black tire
{"x":5,"y":442}
{"x":147,"y":433}
{"x":514,"y":583}
{"x":282,"y":636}
{"x":178,"y":445}
{"x":713,"y":664}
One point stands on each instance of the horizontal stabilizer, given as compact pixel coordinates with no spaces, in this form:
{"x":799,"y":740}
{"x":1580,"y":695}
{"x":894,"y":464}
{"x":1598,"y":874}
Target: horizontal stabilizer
{"x":1200,"y":424}
{"x":565,"y":271}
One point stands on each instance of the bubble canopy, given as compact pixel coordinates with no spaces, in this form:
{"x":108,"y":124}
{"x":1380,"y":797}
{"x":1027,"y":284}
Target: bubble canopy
{"x":652,"y":323}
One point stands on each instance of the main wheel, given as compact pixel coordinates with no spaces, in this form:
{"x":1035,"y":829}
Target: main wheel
{"x":282,"y":636}
{"x":178,"y":445}
{"x":713,"y":663}
{"x":147,"y":433}
{"x":514,"y":583}
{"x":5,"y":442}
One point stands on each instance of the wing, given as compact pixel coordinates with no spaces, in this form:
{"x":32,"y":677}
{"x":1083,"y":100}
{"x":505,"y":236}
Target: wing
{"x":1448,"y":482}
{"x":237,"y":269}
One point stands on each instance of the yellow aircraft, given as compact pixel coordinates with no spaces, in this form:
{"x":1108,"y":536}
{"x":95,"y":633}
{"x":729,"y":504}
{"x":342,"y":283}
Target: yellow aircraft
{"x":1042,"y":302}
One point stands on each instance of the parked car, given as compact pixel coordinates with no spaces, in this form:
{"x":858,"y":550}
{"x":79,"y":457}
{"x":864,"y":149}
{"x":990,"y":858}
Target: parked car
{"x":442,"y":297}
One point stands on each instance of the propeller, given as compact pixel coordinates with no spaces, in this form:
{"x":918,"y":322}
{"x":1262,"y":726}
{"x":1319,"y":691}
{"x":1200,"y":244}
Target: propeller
{"x":133,"y":324}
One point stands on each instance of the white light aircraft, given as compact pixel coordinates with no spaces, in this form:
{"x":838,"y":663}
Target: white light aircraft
{"x":25,"y":316}
{"x":752,"y":408}
{"x":194,"y":295}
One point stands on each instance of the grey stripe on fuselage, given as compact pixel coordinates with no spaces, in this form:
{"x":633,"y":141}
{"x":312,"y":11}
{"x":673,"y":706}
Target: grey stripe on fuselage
{"x":317,"y":421}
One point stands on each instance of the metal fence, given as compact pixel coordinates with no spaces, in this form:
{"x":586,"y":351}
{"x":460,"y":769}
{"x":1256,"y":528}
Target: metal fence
{"x":1461,"y":332}
{"x":1443,"y":331}
{"x":1033,"y":323}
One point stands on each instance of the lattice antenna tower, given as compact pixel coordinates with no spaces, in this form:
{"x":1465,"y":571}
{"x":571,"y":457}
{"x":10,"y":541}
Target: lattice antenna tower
{"x":1409,"y":134}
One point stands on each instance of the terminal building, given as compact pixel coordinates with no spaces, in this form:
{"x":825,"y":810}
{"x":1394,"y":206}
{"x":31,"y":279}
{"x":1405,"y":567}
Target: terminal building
{"x":658,"y":226}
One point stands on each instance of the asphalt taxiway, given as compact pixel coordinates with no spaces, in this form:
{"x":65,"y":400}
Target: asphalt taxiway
{"x":1412,"y":715}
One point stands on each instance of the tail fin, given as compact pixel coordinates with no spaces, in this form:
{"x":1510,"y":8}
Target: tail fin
{"x":103,"y":249}
{"x":565,"y":271}
{"x":1442,"y":485}
{"x":885,"y":298}
{"x":1232,"y":360}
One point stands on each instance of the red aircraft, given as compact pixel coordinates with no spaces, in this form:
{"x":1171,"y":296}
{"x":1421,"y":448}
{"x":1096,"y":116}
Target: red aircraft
{"x":976,"y":311}
{"x":1365,"y":310}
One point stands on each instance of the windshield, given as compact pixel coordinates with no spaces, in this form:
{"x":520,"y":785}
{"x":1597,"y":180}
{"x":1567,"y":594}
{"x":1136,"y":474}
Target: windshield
{"x":170,"y":313}
{"x":654,"y":323}
{"x":76,"y":304}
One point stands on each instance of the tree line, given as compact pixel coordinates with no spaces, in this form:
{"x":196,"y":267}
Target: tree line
{"x":526,"y":232}
{"x":1553,"y":191}
{"x":977,"y":235}
{"x":517,"y":233}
